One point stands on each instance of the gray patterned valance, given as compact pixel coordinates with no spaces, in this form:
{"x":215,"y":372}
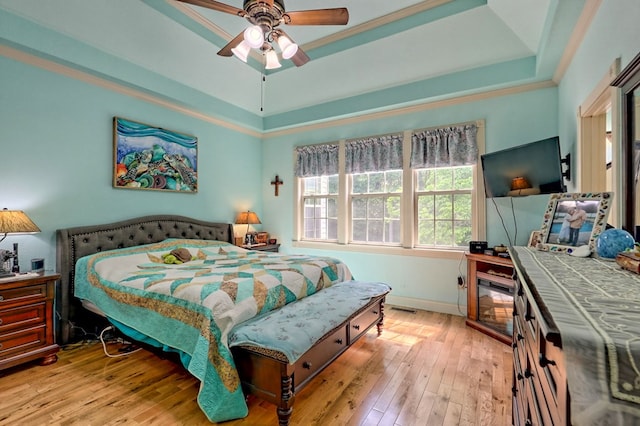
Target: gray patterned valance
{"x":445,"y":147}
{"x":374,"y":154}
{"x":316,"y":160}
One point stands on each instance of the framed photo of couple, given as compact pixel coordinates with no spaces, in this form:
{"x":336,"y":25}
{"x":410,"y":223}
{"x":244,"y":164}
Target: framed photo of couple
{"x":573,"y":220}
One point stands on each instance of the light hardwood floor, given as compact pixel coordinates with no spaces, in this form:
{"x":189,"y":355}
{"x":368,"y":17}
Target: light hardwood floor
{"x":425,"y":369}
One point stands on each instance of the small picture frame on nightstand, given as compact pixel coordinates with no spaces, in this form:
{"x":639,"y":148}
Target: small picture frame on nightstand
{"x":262,"y":237}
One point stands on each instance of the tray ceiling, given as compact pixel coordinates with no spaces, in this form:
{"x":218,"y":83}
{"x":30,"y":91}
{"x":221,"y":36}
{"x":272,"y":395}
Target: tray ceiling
{"x":386,"y":45}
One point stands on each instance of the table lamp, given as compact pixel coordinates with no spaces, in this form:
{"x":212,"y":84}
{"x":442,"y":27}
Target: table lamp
{"x":13,"y":222}
{"x":249,"y":218}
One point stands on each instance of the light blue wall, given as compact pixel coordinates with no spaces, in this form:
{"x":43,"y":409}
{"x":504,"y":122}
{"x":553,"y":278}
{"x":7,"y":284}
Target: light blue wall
{"x":509,"y":121}
{"x":57,"y":156}
{"x":613,"y":33}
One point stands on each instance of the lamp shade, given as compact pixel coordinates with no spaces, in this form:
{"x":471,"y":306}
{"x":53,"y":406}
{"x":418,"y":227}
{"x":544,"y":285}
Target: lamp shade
{"x":288,"y":47}
{"x":272,"y":60}
{"x":247,"y":218}
{"x":254,"y":36}
{"x":16,"y":222}
{"x":519,"y":183}
{"x":241,"y":51}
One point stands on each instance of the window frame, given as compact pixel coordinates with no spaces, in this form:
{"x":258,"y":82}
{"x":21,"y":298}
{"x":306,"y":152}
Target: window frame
{"x":408,"y":213}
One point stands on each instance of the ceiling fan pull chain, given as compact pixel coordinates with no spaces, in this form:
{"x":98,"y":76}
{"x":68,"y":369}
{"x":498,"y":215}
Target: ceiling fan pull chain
{"x":263,"y":78}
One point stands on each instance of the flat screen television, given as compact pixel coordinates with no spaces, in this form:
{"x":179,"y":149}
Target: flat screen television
{"x":538,"y":162}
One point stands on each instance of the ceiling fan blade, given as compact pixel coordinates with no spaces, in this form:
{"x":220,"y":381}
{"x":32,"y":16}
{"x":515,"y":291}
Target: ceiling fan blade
{"x":216,"y":5}
{"x":226,"y":51}
{"x":337,"y":16}
{"x":300,"y":58}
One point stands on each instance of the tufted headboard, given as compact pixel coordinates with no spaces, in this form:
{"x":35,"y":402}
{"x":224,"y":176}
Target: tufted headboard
{"x":74,"y":243}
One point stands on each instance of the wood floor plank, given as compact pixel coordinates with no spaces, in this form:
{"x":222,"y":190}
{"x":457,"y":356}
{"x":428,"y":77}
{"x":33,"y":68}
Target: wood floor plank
{"x":426,"y":368}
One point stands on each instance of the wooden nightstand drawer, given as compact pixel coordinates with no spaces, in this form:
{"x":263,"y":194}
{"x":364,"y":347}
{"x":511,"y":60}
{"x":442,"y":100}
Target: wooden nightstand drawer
{"x":26,"y":319}
{"x":22,"y":295}
{"x":21,"y":341}
{"x":22,"y":317}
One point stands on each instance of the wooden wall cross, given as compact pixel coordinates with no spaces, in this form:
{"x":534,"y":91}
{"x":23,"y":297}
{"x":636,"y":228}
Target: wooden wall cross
{"x":277,"y":184}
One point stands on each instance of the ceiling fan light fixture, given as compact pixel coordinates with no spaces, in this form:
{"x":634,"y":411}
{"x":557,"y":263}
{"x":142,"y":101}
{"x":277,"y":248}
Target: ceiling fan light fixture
{"x":241,"y":51}
{"x":288,"y":47}
{"x":254,"y":36}
{"x":272,"y":60}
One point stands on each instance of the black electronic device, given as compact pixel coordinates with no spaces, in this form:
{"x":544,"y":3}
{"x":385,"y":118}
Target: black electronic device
{"x":477,"y":246}
{"x":538,"y":162}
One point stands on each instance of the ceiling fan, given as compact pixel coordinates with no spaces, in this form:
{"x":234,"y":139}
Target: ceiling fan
{"x":266,"y":16}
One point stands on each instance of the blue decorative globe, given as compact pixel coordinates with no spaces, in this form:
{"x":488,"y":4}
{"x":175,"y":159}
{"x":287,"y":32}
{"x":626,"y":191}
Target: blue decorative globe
{"x":613,"y":241}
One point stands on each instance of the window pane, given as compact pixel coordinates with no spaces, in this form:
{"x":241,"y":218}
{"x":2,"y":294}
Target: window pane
{"x":426,"y":207}
{"x":462,"y":206}
{"x":375,"y":230}
{"x":376,"y":182}
{"x":463,"y":177}
{"x":392,"y":210}
{"x":392,"y":231}
{"x":360,"y":184}
{"x":462,"y":232}
{"x":444,"y":178}
{"x":425,"y":180}
{"x":375,"y":209}
{"x":359,"y":208}
{"x":359,"y":230}
{"x":444,"y":233}
{"x":394,"y":181}
{"x":332,"y":184}
{"x":444,"y":207}
{"x":332,"y":208}
{"x":320,"y":185}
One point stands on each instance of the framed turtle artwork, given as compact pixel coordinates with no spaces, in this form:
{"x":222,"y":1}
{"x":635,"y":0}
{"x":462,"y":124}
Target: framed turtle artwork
{"x":153,"y":158}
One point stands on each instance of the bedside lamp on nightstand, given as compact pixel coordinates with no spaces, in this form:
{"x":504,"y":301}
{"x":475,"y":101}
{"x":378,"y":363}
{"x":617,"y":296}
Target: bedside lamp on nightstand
{"x":248,"y":218}
{"x":13,"y":222}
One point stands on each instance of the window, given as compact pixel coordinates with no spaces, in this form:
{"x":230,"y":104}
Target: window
{"x":444,"y":206}
{"x":320,"y":213}
{"x":375,"y":207}
{"x":367,"y":192}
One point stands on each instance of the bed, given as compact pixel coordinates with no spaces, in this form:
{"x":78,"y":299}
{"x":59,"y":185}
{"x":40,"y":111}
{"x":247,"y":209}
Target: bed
{"x":124,"y":271}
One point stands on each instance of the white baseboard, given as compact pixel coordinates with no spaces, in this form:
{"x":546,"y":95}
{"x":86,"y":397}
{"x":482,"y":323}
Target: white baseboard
{"x":426,"y":305}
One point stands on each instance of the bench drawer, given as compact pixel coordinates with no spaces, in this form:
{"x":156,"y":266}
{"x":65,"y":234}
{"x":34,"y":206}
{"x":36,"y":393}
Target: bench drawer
{"x":360,"y":324}
{"x":319,"y":356}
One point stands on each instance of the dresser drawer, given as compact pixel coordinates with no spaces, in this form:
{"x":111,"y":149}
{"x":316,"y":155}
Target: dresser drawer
{"x":21,"y":317}
{"x":360,"y":324}
{"x":319,"y":356}
{"x":22,"y":295}
{"x":550,"y":367}
{"x":21,"y":341}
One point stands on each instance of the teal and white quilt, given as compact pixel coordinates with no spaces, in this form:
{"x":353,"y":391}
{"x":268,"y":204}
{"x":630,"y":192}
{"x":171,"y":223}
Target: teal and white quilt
{"x":192,"y":306}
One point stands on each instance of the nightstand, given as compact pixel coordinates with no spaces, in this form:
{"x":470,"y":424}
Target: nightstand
{"x":26,"y":319}
{"x":266,"y":247}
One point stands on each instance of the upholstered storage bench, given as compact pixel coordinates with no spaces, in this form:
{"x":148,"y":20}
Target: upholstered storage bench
{"x":278,"y":353}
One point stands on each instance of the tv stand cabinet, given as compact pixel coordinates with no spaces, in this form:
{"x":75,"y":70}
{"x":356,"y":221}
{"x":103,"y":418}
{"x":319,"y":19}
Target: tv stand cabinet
{"x":496,"y":272}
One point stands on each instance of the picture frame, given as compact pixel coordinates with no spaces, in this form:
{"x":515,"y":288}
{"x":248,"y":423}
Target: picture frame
{"x":153,"y":158}
{"x":564,"y":211}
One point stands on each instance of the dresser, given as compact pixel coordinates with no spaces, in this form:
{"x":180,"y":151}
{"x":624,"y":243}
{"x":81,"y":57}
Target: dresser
{"x":26,"y":319}
{"x":575,"y":351}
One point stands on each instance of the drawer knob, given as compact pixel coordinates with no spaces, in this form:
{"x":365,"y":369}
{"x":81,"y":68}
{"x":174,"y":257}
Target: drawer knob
{"x":514,"y":391}
{"x":356,"y":326}
{"x":529,"y":317}
{"x":514,"y":345}
{"x":339,"y":341}
{"x":306,"y":365}
{"x":520,"y":376}
{"x":520,"y":337}
{"x":544,"y":361}
{"x":375,"y":312}
{"x":528,"y":373}
{"x":1,"y":298}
